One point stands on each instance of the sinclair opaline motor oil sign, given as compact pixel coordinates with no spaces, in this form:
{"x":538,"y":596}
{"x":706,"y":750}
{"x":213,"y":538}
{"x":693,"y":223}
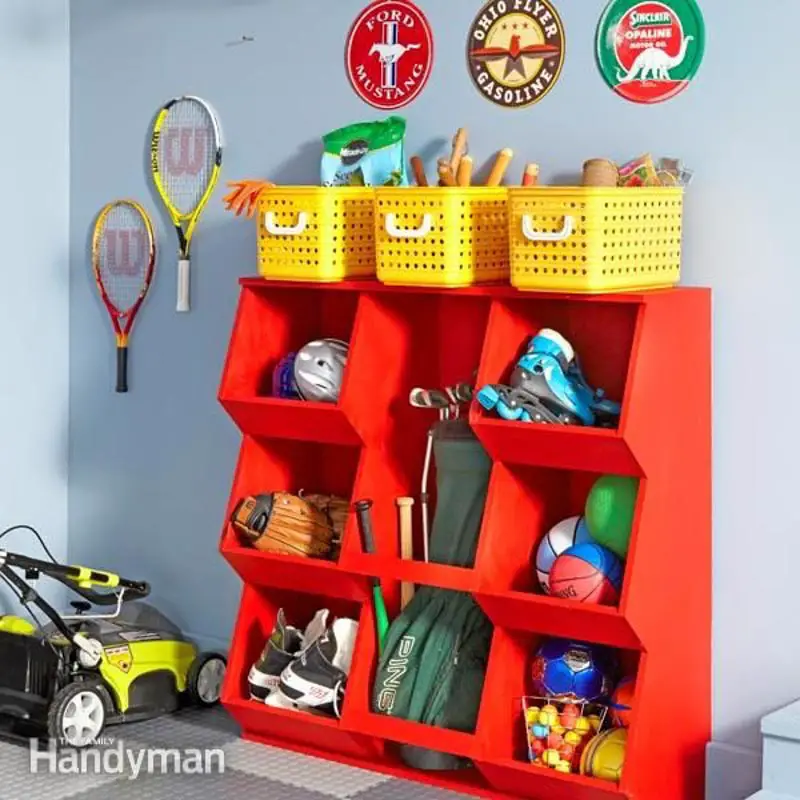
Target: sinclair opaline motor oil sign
{"x":649,"y":52}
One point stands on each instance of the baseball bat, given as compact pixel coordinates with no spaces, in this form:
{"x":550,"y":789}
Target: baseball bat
{"x":364,"y":518}
{"x":404,"y":505}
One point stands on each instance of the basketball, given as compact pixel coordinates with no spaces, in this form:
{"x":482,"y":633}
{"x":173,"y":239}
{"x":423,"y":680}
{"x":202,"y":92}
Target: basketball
{"x":587,"y":573}
{"x":622,"y":703}
{"x":557,"y":540}
{"x":609,"y":510}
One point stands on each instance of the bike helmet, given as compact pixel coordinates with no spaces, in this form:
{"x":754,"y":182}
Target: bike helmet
{"x":319,"y":370}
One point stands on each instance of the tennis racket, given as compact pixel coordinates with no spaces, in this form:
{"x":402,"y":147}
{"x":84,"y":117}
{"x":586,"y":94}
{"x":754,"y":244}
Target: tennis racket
{"x":186,"y":156}
{"x":123,"y":259}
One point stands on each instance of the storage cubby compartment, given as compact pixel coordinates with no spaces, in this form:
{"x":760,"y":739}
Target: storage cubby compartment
{"x":270,"y":324}
{"x":267,"y":466}
{"x":411,"y":340}
{"x":601,"y":333}
{"x":414,"y":339}
{"x":383,"y":480}
{"x":257,"y":616}
{"x":505,"y":761}
{"x":531,"y":501}
{"x":396,"y":731}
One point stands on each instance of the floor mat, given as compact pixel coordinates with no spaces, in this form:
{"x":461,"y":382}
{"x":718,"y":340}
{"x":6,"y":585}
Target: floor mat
{"x":192,"y":755}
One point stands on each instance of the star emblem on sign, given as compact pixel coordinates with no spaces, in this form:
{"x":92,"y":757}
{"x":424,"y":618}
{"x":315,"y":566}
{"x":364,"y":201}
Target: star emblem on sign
{"x":514,"y":55}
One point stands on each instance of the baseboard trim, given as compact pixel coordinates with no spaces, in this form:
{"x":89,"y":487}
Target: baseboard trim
{"x":732,"y":773}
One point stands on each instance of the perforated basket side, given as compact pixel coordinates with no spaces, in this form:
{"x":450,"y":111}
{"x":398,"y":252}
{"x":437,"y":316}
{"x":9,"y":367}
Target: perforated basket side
{"x":441,"y":236}
{"x":351,"y":240}
{"x":620,"y":239}
{"x":319,"y":233}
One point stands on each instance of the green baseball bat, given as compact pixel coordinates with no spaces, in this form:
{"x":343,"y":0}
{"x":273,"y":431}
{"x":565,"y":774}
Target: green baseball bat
{"x":364,"y":517}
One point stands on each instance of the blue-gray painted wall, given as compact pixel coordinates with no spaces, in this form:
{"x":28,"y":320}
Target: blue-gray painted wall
{"x":34,"y":299}
{"x":150,"y":472}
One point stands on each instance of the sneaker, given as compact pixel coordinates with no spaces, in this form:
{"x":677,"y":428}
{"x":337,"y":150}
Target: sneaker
{"x":283,"y":646}
{"x":316,"y":679}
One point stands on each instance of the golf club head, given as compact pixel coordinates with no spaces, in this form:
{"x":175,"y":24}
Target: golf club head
{"x":429,"y":398}
{"x":463,"y":393}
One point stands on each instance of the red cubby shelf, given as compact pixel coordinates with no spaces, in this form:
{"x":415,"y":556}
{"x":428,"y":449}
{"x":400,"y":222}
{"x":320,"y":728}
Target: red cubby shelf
{"x":504,"y":761}
{"x":651,"y":351}
{"x":259,"y":609}
{"x":507,"y":587}
{"x":291,"y":466}
{"x":268,"y":326}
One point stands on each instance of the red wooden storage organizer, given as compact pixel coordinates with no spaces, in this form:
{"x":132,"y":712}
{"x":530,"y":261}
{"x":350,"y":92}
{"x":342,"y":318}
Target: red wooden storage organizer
{"x":651,"y":349}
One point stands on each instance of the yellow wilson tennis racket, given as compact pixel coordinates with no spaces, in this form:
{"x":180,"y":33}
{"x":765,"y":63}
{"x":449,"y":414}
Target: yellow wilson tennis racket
{"x":123,"y":260}
{"x":186,"y":158}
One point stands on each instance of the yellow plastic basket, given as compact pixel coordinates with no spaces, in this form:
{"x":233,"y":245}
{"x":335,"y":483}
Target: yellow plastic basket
{"x":441,"y":236}
{"x":595,"y":240}
{"x":321,"y":234}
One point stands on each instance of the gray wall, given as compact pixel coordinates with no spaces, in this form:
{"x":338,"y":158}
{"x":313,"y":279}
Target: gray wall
{"x":150,"y":472}
{"x":34,"y":96}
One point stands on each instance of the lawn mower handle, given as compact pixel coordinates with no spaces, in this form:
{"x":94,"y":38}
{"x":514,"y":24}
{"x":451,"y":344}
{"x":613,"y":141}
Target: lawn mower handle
{"x":29,"y":595}
{"x":82,"y":579}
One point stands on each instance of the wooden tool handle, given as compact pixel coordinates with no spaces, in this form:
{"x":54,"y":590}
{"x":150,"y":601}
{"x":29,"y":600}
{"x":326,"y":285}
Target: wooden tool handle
{"x":531,"y":175}
{"x":500,"y":166}
{"x":459,"y":150}
{"x":446,"y":174}
{"x":465,"y":171}
{"x":419,"y":171}
{"x":404,"y":505}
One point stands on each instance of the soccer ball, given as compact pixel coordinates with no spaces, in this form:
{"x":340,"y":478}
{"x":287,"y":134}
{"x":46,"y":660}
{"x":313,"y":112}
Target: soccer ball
{"x":567,"y":670}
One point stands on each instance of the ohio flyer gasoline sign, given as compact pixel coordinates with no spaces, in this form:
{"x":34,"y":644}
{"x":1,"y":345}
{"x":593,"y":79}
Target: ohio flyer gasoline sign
{"x":515,"y":51}
{"x":650,"y":51}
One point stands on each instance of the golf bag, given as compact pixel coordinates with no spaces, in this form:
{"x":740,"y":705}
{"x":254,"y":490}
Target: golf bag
{"x":435,"y":654}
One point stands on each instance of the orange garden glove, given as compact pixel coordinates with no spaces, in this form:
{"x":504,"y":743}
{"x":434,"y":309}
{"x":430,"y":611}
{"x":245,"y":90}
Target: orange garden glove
{"x":243,"y":198}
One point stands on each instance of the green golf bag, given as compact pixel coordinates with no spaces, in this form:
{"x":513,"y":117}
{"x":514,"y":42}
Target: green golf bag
{"x":435,"y":654}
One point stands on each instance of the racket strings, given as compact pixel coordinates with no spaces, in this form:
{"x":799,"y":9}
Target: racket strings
{"x":124,"y":257}
{"x":187,"y":153}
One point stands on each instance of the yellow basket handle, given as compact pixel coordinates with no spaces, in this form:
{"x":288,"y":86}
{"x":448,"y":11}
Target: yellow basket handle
{"x":285,"y":230}
{"x":532,"y":235}
{"x":408,"y":233}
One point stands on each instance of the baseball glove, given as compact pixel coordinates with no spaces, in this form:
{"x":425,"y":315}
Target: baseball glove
{"x":336,"y":509}
{"x":284,"y":523}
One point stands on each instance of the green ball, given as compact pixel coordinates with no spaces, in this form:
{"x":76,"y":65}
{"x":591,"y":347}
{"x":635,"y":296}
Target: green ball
{"x":609,"y":512}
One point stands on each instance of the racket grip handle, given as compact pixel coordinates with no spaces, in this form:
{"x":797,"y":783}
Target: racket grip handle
{"x":122,"y":370}
{"x":183,"y":285}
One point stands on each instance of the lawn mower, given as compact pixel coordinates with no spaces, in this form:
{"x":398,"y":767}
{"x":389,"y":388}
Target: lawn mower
{"x":78,"y":673}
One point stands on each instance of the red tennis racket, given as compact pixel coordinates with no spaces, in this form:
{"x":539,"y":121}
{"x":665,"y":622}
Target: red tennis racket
{"x":123,"y":259}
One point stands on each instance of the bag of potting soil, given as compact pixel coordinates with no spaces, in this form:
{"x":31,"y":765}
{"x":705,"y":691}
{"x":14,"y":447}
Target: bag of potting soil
{"x":366,"y":154}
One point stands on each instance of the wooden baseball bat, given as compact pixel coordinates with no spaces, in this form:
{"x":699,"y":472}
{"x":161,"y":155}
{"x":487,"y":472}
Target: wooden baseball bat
{"x":500,"y":166}
{"x":404,"y":505}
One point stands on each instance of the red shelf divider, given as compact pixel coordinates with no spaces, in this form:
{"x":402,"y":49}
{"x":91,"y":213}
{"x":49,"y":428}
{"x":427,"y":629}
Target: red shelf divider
{"x":638,"y":347}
